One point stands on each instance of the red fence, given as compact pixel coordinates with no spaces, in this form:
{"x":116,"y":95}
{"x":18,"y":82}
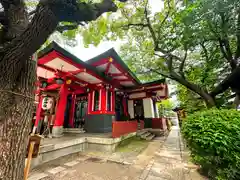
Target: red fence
{"x":159,"y":123}
{"x":120,"y":128}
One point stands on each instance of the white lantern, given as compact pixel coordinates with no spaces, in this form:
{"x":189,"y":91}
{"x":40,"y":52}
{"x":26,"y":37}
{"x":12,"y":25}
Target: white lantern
{"x":47,"y":103}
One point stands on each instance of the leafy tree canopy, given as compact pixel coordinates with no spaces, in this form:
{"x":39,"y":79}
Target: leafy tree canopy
{"x":196,"y":43}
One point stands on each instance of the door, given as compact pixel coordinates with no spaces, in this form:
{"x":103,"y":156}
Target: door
{"x":80,"y":113}
{"x":119,"y":108}
{"x":67,"y":112}
{"x":138,"y":110}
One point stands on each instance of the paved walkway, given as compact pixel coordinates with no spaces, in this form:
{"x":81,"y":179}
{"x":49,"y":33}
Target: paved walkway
{"x":171,"y":162}
{"x":164,"y":159}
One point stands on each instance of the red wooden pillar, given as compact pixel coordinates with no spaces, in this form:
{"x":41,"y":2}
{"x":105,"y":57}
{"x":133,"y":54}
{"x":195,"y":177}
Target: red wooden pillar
{"x":62,"y":102}
{"x":72,"y":111}
{"x":38,"y":114}
{"x":90,"y":95}
{"x":103,"y":98}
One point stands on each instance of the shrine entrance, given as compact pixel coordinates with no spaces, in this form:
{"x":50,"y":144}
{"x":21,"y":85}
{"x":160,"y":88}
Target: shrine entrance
{"x":80,"y":112}
{"x":138,"y":110}
{"x":75,"y":113}
{"x":119,"y":108}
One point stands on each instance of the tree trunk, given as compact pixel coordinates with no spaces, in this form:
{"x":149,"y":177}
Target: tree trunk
{"x":236,"y":101}
{"x":209,"y":100}
{"x":16,"y":105}
{"x":18,"y":73}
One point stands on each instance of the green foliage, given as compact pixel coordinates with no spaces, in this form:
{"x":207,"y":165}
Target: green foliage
{"x":165,"y":108}
{"x":195,"y":26}
{"x":213,"y":137}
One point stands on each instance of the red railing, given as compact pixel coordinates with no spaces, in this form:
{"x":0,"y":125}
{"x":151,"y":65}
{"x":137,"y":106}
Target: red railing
{"x":120,"y":128}
{"x":159,"y":123}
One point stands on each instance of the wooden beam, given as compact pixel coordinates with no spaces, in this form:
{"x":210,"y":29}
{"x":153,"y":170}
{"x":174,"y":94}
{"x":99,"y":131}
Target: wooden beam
{"x":77,"y":71}
{"x":116,"y":74}
{"x":108,"y":67}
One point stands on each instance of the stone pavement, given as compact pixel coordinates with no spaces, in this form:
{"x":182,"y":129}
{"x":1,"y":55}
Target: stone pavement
{"x":168,"y":162}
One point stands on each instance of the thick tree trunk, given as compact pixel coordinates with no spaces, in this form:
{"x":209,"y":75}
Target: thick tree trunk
{"x":18,"y":72}
{"x":17,"y":78}
{"x":15,"y":115}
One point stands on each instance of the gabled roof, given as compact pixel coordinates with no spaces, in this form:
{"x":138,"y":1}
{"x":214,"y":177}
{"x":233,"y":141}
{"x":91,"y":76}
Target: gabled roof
{"x":54,"y":46}
{"x":112,"y":53}
{"x":91,"y":67}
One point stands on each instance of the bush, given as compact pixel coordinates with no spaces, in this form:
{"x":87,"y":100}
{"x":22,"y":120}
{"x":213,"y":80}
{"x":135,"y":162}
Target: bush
{"x":213,"y":137}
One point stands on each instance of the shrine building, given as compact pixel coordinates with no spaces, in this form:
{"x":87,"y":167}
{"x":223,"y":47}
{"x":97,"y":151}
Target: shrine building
{"x":94,"y":93}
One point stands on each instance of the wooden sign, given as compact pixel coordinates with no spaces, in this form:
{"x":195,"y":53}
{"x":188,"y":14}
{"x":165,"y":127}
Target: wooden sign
{"x":36,"y":139}
{"x":32,"y":152}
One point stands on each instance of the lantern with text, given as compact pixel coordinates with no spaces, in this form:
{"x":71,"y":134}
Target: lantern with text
{"x":47,"y":103}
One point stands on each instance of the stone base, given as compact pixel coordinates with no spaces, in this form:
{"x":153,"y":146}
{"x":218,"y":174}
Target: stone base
{"x":98,"y":123}
{"x":147,"y":122}
{"x":57,"y":131}
{"x":50,"y":151}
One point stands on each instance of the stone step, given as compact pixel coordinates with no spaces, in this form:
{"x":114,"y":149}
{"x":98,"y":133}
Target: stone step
{"x":73,"y":130}
{"x":139,"y":133}
{"x":145,"y":135}
{"x":150,"y":137}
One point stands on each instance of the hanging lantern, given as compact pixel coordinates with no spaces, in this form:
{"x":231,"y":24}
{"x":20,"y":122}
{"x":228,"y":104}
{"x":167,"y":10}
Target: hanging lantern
{"x":47,"y":103}
{"x":59,"y":80}
{"x":44,"y":84}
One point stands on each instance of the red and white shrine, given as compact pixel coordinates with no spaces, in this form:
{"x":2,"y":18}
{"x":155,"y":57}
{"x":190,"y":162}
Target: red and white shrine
{"x":95,"y":93}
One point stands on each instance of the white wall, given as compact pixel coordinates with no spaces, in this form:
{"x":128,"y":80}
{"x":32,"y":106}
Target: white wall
{"x":157,"y":112}
{"x":131,"y":109}
{"x":148,"y":108}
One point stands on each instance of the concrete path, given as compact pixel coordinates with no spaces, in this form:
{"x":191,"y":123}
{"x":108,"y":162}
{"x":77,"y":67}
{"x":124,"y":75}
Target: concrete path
{"x":169,"y":162}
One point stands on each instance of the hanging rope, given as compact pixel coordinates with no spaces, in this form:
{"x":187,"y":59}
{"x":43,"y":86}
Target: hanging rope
{"x":18,"y":94}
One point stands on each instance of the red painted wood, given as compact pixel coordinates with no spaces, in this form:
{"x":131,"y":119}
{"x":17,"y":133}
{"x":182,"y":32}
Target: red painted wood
{"x":51,"y":87}
{"x":120,"y":128}
{"x":108,"y":67}
{"x":49,"y":57}
{"x":77,"y":71}
{"x":102,"y":112}
{"x":61,"y":105}
{"x":104,"y":100}
{"x":125,"y":109}
{"x":159,"y":123}
{"x":72,"y":111}
{"x":142,"y":124}
{"x":101,"y":62}
{"x":89,"y":102}
{"x":39,"y":112}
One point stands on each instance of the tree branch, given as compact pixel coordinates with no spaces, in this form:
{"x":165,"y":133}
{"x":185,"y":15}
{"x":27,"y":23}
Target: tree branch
{"x":150,"y":28}
{"x":139,"y":26}
{"x":183,"y":64}
{"x":237,"y":54}
{"x":160,"y":73}
{"x":67,"y":27}
{"x":44,"y":22}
